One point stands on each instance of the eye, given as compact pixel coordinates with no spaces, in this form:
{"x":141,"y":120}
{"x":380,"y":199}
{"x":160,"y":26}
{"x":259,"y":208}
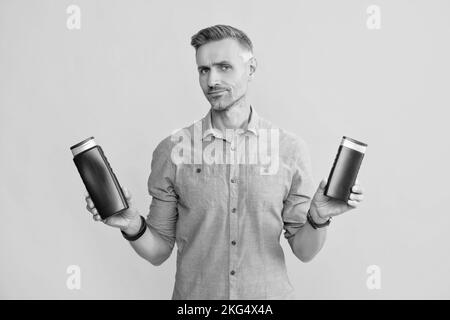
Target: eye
{"x":203,"y":71}
{"x":226,"y":67}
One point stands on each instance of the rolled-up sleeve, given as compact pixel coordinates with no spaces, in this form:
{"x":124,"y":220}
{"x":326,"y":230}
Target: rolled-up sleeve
{"x":163,"y":212}
{"x":298,"y":201}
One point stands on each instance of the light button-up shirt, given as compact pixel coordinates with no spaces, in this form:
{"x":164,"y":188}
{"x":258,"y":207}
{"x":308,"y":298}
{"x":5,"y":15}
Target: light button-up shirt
{"x":225,"y":199}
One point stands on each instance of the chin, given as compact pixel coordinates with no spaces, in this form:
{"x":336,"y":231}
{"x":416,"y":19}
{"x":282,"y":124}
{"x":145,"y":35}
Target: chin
{"x":218,"y":105}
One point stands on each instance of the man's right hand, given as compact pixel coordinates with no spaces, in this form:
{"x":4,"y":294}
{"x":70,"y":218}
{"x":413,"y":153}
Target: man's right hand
{"x":128,"y":221}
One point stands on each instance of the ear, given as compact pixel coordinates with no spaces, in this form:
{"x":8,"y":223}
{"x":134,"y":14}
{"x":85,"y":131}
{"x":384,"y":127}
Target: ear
{"x":252,"y":66}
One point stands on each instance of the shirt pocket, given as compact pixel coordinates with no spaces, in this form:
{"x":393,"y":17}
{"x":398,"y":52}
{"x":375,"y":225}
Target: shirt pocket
{"x":199,"y":186}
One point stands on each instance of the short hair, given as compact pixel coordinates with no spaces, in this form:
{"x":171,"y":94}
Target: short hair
{"x":220,"y":32}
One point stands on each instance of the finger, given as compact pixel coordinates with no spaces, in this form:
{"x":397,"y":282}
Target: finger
{"x":356,"y":197}
{"x":357,"y":189}
{"x":93,"y":211}
{"x":90,"y":204}
{"x":352,"y":203}
{"x":97,"y":217}
{"x":86,"y":195}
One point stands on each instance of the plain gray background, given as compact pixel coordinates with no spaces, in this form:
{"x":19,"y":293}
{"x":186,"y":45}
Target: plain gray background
{"x":128,"y":77}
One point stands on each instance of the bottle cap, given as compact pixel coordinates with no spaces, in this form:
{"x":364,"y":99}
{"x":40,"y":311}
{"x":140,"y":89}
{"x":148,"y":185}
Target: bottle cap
{"x":353,"y":144}
{"x":83,"y":145}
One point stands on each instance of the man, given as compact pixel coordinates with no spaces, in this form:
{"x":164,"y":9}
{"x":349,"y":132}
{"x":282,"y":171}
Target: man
{"x":226,"y":209}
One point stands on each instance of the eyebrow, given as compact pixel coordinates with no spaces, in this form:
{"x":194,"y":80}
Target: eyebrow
{"x":220,"y":63}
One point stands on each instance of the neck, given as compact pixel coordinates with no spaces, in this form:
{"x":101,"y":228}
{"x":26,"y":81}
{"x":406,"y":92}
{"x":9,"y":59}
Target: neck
{"x":234,"y":117}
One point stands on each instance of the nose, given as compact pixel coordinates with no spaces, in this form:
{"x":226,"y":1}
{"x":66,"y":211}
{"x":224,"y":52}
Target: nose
{"x":213,"y":79}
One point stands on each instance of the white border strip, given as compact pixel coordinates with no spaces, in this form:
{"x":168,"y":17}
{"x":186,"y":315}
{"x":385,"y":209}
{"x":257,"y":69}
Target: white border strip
{"x":352,"y":145}
{"x":84,"y":146}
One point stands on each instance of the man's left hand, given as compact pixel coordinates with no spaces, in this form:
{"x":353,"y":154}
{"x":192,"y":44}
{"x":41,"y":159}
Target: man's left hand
{"x":324,"y":207}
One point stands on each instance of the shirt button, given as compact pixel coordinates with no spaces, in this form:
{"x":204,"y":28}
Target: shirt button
{"x":233,"y":148}
{"x":232,"y":272}
{"x":233,"y":180}
{"x":233,"y":243}
{"x":233,"y":210}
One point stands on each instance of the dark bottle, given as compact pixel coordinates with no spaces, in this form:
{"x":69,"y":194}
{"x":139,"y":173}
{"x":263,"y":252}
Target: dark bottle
{"x":99,"y":178}
{"x":345,"y":169}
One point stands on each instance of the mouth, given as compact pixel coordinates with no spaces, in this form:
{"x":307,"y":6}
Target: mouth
{"x":216,"y":92}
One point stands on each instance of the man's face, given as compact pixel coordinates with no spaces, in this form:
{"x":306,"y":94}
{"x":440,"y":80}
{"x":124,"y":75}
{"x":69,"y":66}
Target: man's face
{"x":224,"y":72}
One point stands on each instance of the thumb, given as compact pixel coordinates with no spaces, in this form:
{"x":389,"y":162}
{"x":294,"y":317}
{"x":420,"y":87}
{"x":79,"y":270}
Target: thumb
{"x":114,"y":222}
{"x":323,"y":183}
{"x":127,"y":194}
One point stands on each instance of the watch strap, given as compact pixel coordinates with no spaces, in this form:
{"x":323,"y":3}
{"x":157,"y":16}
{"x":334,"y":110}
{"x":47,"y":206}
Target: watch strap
{"x":317,"y":225}
{"x":141,"y":231}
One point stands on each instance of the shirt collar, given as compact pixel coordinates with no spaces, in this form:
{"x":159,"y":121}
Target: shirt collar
{"x":253,"y":125}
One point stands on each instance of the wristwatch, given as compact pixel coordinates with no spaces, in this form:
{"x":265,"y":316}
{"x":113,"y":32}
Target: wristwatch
{"x":141,"y":231}
{"x":317,"y":225}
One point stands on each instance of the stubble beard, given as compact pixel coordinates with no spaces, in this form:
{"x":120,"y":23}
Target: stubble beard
{"x":236,"y":102}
